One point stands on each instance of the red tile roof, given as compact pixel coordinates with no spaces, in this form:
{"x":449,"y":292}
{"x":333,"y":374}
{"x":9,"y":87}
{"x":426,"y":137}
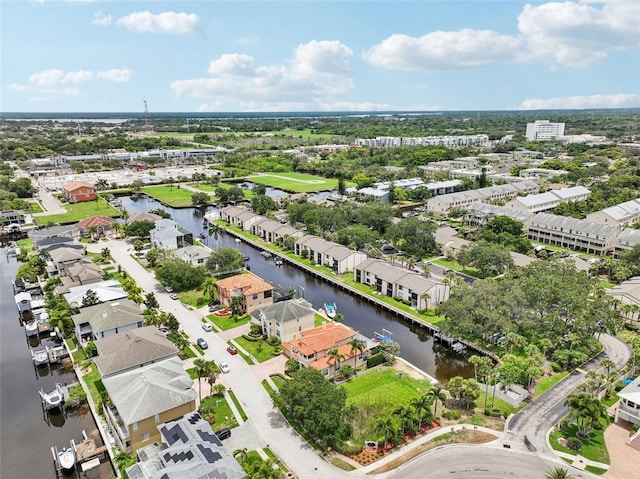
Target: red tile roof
{"x":249,"y":283}
{"x":74,"y":185}
{"x":95,"y":221}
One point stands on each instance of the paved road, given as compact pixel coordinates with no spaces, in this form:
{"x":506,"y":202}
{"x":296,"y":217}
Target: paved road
{"x":487,"y":461}
{"x":539,"y":416}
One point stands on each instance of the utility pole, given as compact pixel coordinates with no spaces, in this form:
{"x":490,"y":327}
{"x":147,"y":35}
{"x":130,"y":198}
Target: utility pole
{"x":147,"y":117}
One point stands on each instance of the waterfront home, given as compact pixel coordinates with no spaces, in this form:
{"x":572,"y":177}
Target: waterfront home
{"x":273,"y":231}
{"x":194,"y":255}
{"x":104,"y":291}
{"x":572,"y":233}
{"x":400,"y":283}
{"x":75,"y":191}
{"x":143,"y":216}
{"x":66,"y":231}
{"x":106,"y":319}
{"x":8,"y":217}
{"x":628,"y":295}
{"x":286,"y":319}
{"x":188,"y":449}
{"x":239,"y":217}
{"x":53,"y":242}
{"x":312,"y":348}
{"x":478,"y":214}
{"x":629,"y":406}
{"x":131,"y":350}
{"x":61,"y":259}
{"x":102,"y":224}
{"x":168,"y":234}
{"x":549,"y":200}
{"x":320,"y":251}
{"x":253,"y":291}
{"x":143,"y":398}
{"x":78,"y":275}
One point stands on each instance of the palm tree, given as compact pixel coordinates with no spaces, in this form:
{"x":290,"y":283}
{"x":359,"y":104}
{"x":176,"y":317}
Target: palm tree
{"x":208,"y":287}
{"x":215,"y":230}
{"x":359,"y":346}
{"x":587,"y":412}
{"x":203,"y":368}
{"x":437,"y":394}
{"x":385,"y":428}
{"x":124,"y":214}
{"x":211,"y":380}
{"x":118,"y":228}
{"x":92,"y":231}
{"x":558,"y":473}
{"x":405,"y":414}
{"x":421,"y":405}
{"x":237,"y":305}
{"x":241,"y":453}
{"x":334,"y":358}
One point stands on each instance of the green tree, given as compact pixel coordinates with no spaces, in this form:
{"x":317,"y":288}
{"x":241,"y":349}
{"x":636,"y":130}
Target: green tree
{"x":208,"y":287}
{"x":200,"y":198}
{"x":489,"y":258}
{"x":237,"y":305}
{"x":437,"y":395}
{"x":140,"y":229}
{"x":203,"y":369}
{"x":422,"y":405}
{"x":180,"y":274}
{"x":558,"y":473}
{"x":386,"y":429}
{"x":588,"y":412}
{"x":357,"y":346}
{"x":263,"y":204}
{"x":225,"y":259}
{"x":90,"y":298}
{"x":150,"y":301}
{"x":334,"y":357}
{"x":406,"y":416}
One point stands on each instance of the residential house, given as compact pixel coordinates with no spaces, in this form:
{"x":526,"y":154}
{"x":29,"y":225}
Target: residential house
{"x":337,"y":257}
{"x":169,"y":235}
{"x":549,"y":200}
{"x":540,"y":173}
{"x":104,"y":291}
{"x":478,"y":214}
{"x":75,"y":191}
{"x":629,"y":406}
{"x":447,"y":238}
{"x":55,"y":242}
{"x":195,"y":255}
{"x":621,"y":215}
{"x":255,"y":292}
{"x":239,"y":217}
{"x":285,"y":320}
{"x":8,"y":217}
{"x":144,"y":216}
{"x":106,"y":319}
{"x":582,"y":235}
{"x":628,"y":294}
{"x":188,"y":449}
{"x":63,"y":258}
{"x":131,"y":350}
{"x":66,"y":231}
{"x":416,"y":290}
{"x":101,"y":224}
{"x":626,"y":241}
{"x":145,"y":397}
{"x":78,"y":275}
{"x":312,"y":348}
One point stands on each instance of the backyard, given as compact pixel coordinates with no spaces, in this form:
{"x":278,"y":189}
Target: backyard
{"x":260,"y":349}
{"x":79,"y":211}
{"x":170,"y":195}
{"x":295,"y":182}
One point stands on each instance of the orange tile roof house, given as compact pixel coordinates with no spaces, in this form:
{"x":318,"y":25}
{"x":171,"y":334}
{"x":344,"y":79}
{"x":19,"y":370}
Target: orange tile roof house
{"x":78,"y":191}
{"x":256,"y":293}
{"x":101,"y":223}
{"x":311,"y":348}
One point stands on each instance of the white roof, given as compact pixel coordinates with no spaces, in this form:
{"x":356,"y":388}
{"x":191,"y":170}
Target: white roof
{"x":568,"y":193}
{"x":632,"y":391}
{"x":539,"y":199}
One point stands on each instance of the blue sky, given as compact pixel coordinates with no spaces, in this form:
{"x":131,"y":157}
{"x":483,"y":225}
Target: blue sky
{"x":240,"y":56}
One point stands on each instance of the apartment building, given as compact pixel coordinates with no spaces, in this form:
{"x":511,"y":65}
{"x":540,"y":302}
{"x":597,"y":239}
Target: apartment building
{"x":544,"y":130}
{"x":621,"y":215}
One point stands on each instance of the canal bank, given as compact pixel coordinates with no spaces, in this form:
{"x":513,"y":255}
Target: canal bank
{"x":27,"y":431}
{"x":417,"y":343}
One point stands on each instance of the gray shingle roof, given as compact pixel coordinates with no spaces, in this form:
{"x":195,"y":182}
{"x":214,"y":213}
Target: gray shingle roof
{"x":132,"y":348}
{"x":144,"y":392}
{"x":573,"y":226}
{"x":284,"y":311}
{"x":106,"y":316}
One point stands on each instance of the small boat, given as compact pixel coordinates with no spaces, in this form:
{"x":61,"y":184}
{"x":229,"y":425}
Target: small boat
{"x":238,"y":240}
{"x":278,"y":261}
{"x":330,"y":309}
{"x":40,"y":358}
{"x":384,"y":337}
{"x":66,"y":458}
{"x":265,"y":254}
{"x":54,"y":398}
{"x":458,"y":347}
{"x":31,"y":328}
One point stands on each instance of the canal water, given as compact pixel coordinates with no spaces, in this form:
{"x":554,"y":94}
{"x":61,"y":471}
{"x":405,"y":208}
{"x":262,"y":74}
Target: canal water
{"x":416,"y":344}
{"x":27,"y":433}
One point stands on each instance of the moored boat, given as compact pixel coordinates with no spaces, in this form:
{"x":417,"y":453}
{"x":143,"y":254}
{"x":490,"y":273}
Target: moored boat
{"x":31,"y":328}
{"x":54,"y":398}
{"x":330,"y":309}
{"x":40,"y":358}
{"x":66,"y":458}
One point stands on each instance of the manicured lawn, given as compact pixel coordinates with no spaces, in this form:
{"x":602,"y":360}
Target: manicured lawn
{"x":228,"y":322}
{"x":35,"y":207}
{"x":318,"y":320}
{"x":236,"y":403}
{"x":545,"y":384}
{"x":456,"y":267}
{"x":275,"y":459}
{"x":260,"y":350}
{"x":170,"y":195}
{"x":593,"y":449}
{"x":221,"y":410}
{"x":384,"y":385}
{"x":79,"y":211}
{"x":607,"y":284}
{"x":94,"y":383}
{"x":595,"y":470}
{"x":504,"y":408}
{"x":211,"y":189}
{"x":193,"y":297}
{"x":295,"y":182}
{"x":277,"y":380}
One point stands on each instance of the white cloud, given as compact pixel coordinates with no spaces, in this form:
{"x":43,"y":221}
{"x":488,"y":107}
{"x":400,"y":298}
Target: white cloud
{"x":173,"y":23}
{"x":47,"y":78}
{"x":620,"y":100}
{"x":559,"y":34}
{"x":101,"y":19}
{"x":439,"y":51}
{"x":117,"y":75}
{"x":80,"y":76}
{"x":318,"y":72}
{"x":17,"y":87}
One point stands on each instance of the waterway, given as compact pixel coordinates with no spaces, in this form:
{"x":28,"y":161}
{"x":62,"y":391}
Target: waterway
{"x":416,"y":344}
{"x":27,"y":433}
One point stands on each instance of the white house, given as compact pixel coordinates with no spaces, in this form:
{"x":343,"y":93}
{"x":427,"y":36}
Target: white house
{"x":337,"y":257}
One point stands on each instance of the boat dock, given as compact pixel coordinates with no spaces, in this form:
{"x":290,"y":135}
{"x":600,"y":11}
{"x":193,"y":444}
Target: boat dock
{"x":407,"y":317}
{"x":86,"y":453}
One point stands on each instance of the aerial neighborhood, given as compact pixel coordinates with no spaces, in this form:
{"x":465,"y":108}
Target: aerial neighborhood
{"x":326,"y":300}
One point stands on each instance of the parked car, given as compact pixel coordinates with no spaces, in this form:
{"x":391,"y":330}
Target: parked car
{"x":223,"y":433}
{"x":168,"y":289}
{"x":231,"y":350}
{"x":214,"y":302}
{"x":215,"y":307}
{"x":224,"y":367}
{"x":207,"y":326}
{"x":174,"y":296}
{"x":202,"y":343}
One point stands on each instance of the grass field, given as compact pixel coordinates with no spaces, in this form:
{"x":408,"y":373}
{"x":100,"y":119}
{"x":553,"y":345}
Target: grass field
{"x":594,"y":449}
{"x":260,"y":350}
{"x":170,"y":195}
{"x":228,"y":322}
{"x":211,"y":189}
{"x":546,"y":383}
{"x":295,"y":182}
{"x":79,"y":211}
{"x":221,"y":410}
{"x":386,"y":386}
{"x":35,"y":207}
